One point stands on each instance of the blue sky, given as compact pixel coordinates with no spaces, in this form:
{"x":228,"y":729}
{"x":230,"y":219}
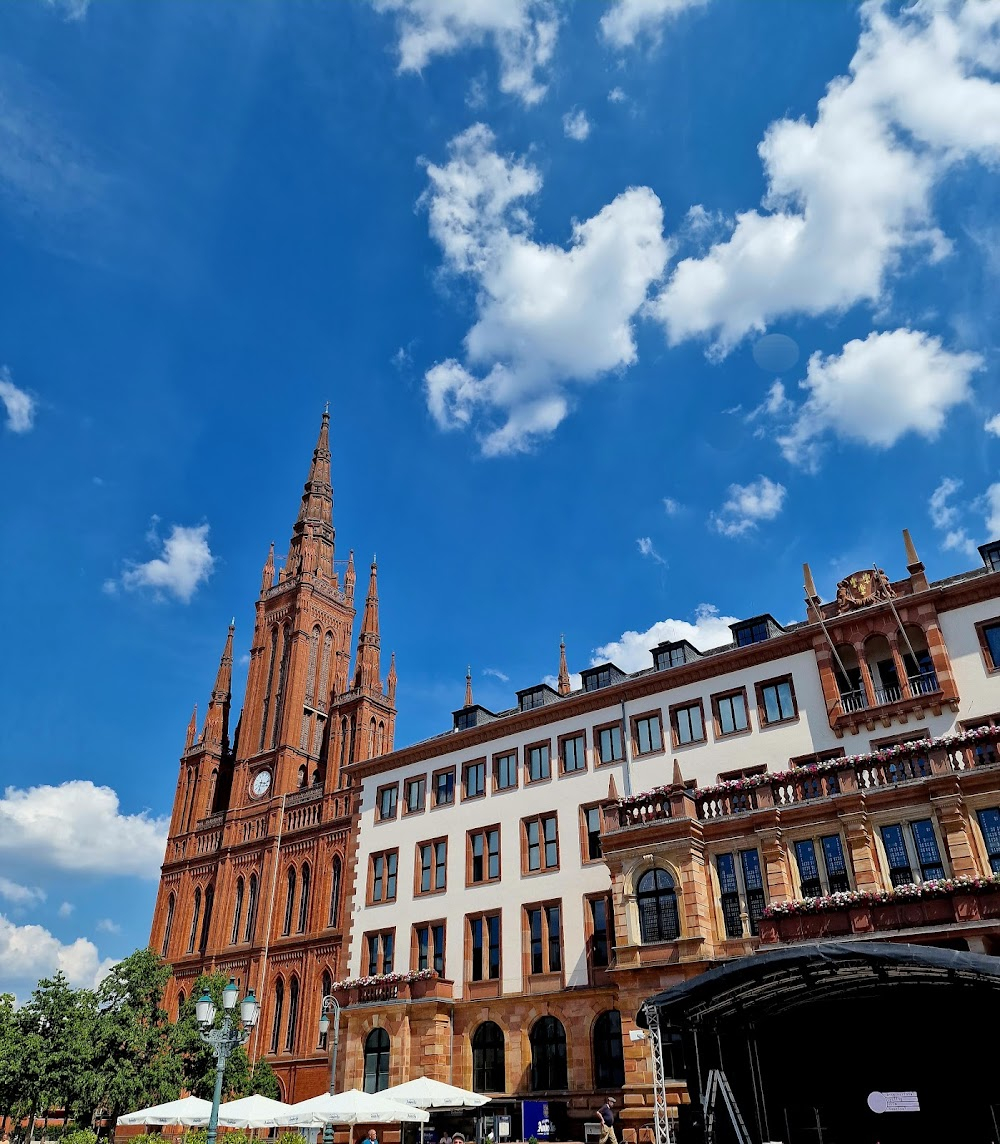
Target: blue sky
{"x":623,"y":310}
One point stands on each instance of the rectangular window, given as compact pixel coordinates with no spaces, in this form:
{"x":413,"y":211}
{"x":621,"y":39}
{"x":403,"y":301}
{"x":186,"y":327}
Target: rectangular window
{"x":909,"y":848}
{"x":671,"y":657}
{"x":647,"y":734}
{"x":433,"y":866}
{"x":416,"y":795}
{"x":989,"y":824}
{"x":428,"y":947}
{"x":544,"y":933}
{"x":595,"y":680}
{"x":600,"y":930}
{"x":474,"y":779}
{"x":590,"y":827}
{"x":386,"y":801}
{"x":687,"y":723}
{"x":540,"y":844}
{"x":831,"y":878}
{"x":989,"y":640}
{"x":573,"y":753}
{"x":730,"y":712}
{"x":505,"y":771}
{"x":741,"y":891}
{"x":380,"y":948}
{"x":483,"y":855}
{"x":484,"y":947}
{"x":609,"y":743}
{"x":539,"y":766}
{"x":444,"y":787}
{"x":532,"y":699}
{"x":776,"y":701}
{"x":382,"y":877}
{"x":751,"y":633}
{"x":465,"y":720}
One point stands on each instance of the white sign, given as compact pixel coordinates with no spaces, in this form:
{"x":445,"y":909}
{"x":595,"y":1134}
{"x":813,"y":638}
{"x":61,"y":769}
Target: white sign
{"x":893,"y":1102}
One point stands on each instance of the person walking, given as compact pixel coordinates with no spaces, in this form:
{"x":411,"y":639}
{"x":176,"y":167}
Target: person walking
{"x":607,"y":1114}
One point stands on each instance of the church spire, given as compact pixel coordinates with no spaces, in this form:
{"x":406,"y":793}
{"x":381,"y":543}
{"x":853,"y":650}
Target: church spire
{"x":349,"y":577}
{"x":564,"y":686}
{"x":311,"y":547}
{"x":216,"y":729}
{"x":366,"y":671}
{"x":468,"y":686}
{"x":391,"y":682}
{"x":267,"y":575}
{"x":192,"y":730}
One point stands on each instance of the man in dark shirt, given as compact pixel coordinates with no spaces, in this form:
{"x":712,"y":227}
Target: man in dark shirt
{"x":607,"y":1114}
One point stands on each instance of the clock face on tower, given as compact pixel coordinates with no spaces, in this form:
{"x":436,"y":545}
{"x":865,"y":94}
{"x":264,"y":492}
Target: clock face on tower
{"x":261,"y":783}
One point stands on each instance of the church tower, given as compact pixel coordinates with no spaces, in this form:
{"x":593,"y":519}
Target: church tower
{"x":259,"y":861}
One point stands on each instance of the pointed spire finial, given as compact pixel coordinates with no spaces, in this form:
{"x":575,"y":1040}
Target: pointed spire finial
{"x":192,"y":729}
{"x":564,"y":684}
{"x":391,"y":681}
{"x":216,"y":729}
{"x":468,"y":686}
{"x":810,"y":584}
{"x":366,"y":672}
{"x":311,"y":549}
{"x":911,"y":551}
{"x":678,"y":778}
{"x":267,"y":575}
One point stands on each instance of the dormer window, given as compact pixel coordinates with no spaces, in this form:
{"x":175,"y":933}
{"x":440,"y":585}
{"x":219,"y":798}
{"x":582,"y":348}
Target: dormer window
{"x":991,"y":555}
{"x":532,"y":699}
{"x":674,"y":655}
{"x":465,"y":719}
{"x":597,"y":679}
{"x":751,"y":633}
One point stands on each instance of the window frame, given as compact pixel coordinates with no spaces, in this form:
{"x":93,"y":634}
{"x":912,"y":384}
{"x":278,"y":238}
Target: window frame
{"x":992,"y":668}
{"x":571,"y":737}
{"x":483,"y":832}
{"x":379,"y":793}
{"x":370,"y":899}
{"x":407,"y":783}
{"x":657,"y":892}
{"x":590,"y":931}
{"x":759,"y":688}
{"x":538,"y":819}
{"x":486,"y":949}
{"x":742,"y":893}
{"x":431,"y":926}
{"x":821,"y":860}
{"x":377,"y":1054}
{"x":466,"y":767}
{"x":380,"y":935}
{"x":599,"y":760}
{"x":672,"y":712}
{"x":586,"y":858}
{"x":435,"y":865}
{"x":495,"y":770}
{"x":539,"y":745}
{"x":643,"y":717}
{"x":443,"y":772}
{"x":914,"y":864}
{"x":545,"y":938}
{"x":716,"y":700}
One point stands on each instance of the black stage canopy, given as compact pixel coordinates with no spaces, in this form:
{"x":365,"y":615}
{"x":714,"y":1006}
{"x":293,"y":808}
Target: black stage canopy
{"x":759,"y":986}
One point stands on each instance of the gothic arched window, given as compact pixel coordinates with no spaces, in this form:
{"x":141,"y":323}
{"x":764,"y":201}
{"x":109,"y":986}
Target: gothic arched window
{"x":279,"y":1006}
{"x":311,"y":670}
{"x":180,"y":1004}
{"x":251,"y":909}
{"x":344,"y":758}
{"x":489,"y":1073}
{"x":376,"y":1060}
{"x":171,"y":902}
{"x":335,"y":891}
{"x":194,"y":919}
{"x":206,"y":924}
{"x":272,"y":655}
{"x":326,"y":989}
{"x":293,"y":1014}
{"x":657,"y":902}
{"x":548,"y":1055}
{"x":380,"y":738}
{"x":302,"y":776}
{"x":289,"y":901}
{"x":237,"y":912}
{"x":609,"y":1060}
{"x":304,"y":898}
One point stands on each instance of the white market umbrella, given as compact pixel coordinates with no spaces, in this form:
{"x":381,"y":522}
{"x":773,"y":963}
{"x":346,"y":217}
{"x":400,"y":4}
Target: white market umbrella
{"x":254,"y":1112}
{"x":189,"y":1112}
{"x":353,"y":1107}
{"x":426,"y":1093}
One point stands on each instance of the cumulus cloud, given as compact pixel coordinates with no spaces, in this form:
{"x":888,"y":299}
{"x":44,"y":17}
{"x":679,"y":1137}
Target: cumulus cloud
{"x":66,"y":909}
{"x":497,"y":674}
{"x":993,"y":425}
{"x":631,"y":651}
{"x":953,"y":518}
{"x":106,"y":925}
{"x":523,"y":33}
{"x":79,"y":827}
{"x":185,"y":562}
{"x":877,"y":390}
{"x":576,"y":125}
{"x":616,"y":95}
{"x":991,"y":500}
{"x":746,"y":505}
{"x":20,"y":895}
{"x":850,"y":192}
{"x":672,"y":507}
{"x":31,"y":952}
{"x":647,"y":548}
{"x":628,"y":20}
{"x":20,"y":406}
{"x":547,"y":317}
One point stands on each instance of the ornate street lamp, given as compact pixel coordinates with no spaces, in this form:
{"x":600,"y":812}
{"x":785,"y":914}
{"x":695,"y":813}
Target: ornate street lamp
{"x":225,"y":1038}
{"x":329,"y":1002}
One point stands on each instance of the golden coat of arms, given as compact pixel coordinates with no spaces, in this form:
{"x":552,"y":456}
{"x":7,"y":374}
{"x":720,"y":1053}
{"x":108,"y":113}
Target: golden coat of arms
{"x":863,"y":588}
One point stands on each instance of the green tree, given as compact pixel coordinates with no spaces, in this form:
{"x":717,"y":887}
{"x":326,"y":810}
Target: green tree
{"x":134,"y":1064}
{"x":199,"y":1059}
{"x":11,"y":1058}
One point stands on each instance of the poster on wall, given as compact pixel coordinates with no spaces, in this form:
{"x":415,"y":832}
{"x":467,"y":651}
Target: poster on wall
{"x":535,"y":1120}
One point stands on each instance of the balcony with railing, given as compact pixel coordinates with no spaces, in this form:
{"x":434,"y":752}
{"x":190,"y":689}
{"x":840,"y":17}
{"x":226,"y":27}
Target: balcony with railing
{"x":420,"y":985}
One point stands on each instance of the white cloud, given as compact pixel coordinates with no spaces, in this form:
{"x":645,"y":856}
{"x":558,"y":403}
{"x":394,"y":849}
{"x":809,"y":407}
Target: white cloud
{"x":849,"y":193}
{"x":616,"y":95}
{"x":993,"y":425}
{"x":19,"y":405}
{"x":952,"y":519}
{"x":672,"y":507}
{"x":576,"y":125}
{"x":186,"y":561}
{"x":631,"y":651}
{"x":20,"y":895}
{"x":523,"y":33}
{"x":79,"y":827}
{"x":992,"y":498}
{"x":547,"y":317}
{"x":66,"y":909}
{"x":875,"y":391}
{"x":627,"y":20}
{"x":497,"y":674}
{"x":647,"y":548}
{"x":944,"y":514}
{"x":761,"y":499}
{"x":31,"y":952}
{"x":106,"y":925}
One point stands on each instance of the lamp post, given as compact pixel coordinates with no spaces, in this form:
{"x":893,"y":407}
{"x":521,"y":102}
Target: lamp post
{"x":329,"y":1002}
{"x":225,"y":1038}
